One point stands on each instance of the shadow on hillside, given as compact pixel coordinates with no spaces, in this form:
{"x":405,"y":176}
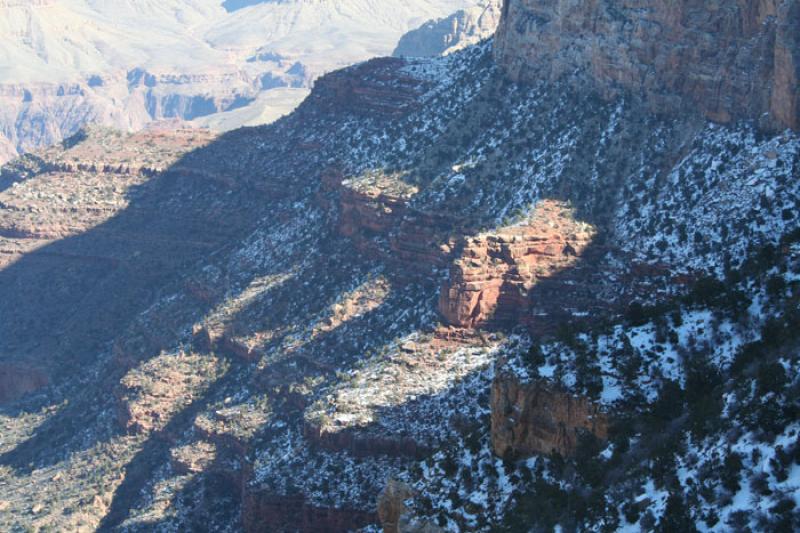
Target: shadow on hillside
{"x":340,"y":350}
{"x":64,"y":305}
{"x":333,"y":353}
{"x":302,"y":300}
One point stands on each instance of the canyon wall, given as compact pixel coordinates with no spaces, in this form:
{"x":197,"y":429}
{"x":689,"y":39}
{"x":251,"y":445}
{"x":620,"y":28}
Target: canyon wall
{"x":535,"y":418}
{"x":729,"y":59}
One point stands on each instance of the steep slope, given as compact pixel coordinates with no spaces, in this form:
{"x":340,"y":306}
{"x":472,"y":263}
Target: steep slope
{"x":67,"y":63}
{"x":396,"y":304}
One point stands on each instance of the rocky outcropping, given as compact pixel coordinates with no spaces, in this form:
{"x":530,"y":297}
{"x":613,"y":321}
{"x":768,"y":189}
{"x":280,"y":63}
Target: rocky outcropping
{"x":370,"y":88}
{"x":396,"y":516}
{"x":267,"y":512}
{"x":728,"y":59}
{"x":374,"y":212}
{"x":491,"y":281}
{"x":367,"y":212}
{"x":392,"y":504}
{"x":535,"y":418}
{"x":16,"y":380}
{"x":444,"y":36}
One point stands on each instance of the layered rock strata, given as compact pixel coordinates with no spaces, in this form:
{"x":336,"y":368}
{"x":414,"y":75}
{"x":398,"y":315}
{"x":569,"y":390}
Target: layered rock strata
{"x":491,"y":283}
{"x":370,"y":88}
{"x":375,"y":213}
{"x":729,"y":59}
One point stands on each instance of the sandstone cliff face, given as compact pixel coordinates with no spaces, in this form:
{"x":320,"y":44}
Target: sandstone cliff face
{"x":533,"y":418}
{"x":490,"y":283}
{"x":729,"y":59}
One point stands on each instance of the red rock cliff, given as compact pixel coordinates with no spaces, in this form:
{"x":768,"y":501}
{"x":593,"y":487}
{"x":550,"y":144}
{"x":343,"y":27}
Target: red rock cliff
{"x":729,"y":59}
{"x":490,"y":283}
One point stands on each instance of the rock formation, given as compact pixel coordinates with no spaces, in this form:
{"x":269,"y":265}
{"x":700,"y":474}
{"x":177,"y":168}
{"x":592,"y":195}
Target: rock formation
{"x":534,"y":418}
{"x":491,"y":281}
{"x":728,"y":59}
{"x":392,"y":506}
{"x":447,"y":35}
{"x":261,"y":320}
{"x":370,"y":88}
{"x":17,"y":380}
{"x":372,"y":207}
{"x":374,"y":212}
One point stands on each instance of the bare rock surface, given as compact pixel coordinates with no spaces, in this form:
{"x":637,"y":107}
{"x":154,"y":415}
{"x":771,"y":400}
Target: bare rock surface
{"x":491,"y":281}
{"x":532,"y":418}
{"x":443,"y":36}
{"x":729,"y":59}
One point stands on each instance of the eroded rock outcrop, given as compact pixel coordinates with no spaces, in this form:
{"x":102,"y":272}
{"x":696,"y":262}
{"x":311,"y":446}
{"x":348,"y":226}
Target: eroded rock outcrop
{"x":729,"y":59}
{"x":370,"y":88}
{"x":396,"y":516}
{"x":263,"y":511}
{"x":375,"y":213}
{"x":149,"y":396}
{"x":491,"y":281}
{"x":17,"y":380}
{"x":444,"y":36}
{"x":392,"y":504}
{"x":372,"y":207}
{"x":530,"y":418}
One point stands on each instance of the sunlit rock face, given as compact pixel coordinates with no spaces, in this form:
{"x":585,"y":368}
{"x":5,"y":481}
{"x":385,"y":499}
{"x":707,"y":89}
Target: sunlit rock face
{"x":491,"y":281}
{"x":729,"y":59}
{"x":447,"y":35}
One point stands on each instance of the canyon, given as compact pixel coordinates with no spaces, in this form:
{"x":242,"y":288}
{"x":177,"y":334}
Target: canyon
{"x":531,"y":419}
{"x":408,"y":304}
{"x":195,"y":62}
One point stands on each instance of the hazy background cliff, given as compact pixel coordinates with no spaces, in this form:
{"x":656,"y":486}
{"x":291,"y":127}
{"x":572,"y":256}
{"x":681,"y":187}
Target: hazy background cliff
{"x":223,"y":64}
